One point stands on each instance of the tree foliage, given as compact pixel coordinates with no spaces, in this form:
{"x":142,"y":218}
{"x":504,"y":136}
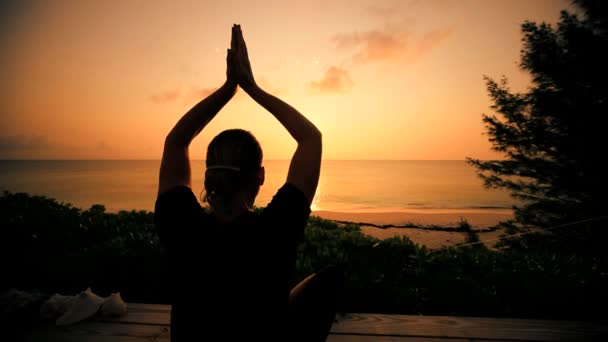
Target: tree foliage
{"x":552,"y":136}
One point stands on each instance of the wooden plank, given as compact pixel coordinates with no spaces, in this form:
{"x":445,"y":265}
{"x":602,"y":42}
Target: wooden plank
{"x":106,"y":332}
{"x":423,"y":326}
{"x":151,"y":321}
{"x":470,"y":328}
{"x":93,"y":331}
{"x":148,"y":318}
{"x":359,"y":338}
{"x":152,"y":314}
{"x":111,"y":329}
{"x":137,"y":307}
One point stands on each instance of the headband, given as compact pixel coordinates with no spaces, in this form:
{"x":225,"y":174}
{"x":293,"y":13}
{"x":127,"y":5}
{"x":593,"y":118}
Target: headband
{"x":223,"y":167}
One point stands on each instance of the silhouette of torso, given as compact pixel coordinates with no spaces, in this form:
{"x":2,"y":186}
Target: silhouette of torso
{"x":230,"y":280}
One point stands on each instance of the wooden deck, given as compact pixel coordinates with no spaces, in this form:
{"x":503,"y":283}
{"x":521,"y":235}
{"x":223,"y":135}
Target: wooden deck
{"x":150,"y":322}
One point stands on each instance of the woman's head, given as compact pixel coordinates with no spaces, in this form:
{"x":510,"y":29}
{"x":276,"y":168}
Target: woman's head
{"x":234,"y":171}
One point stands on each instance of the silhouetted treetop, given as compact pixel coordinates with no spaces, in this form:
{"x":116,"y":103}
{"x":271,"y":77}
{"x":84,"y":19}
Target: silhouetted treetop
{"x":552,"y":136}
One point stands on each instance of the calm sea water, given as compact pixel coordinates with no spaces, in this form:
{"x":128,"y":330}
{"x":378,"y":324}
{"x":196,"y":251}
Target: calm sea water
{"x":350,"y":186}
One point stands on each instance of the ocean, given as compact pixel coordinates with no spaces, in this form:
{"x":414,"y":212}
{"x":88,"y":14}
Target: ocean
{"x":345,"y":186}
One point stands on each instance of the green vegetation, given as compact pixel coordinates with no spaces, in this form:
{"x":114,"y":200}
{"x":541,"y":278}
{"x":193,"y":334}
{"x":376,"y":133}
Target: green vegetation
{"x":55,"y":247}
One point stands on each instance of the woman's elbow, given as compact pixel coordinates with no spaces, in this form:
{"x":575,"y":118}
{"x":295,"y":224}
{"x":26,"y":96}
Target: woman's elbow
{"x":173,"y":140}
{"x":317,"y":135}
{"x":169,"y":140}
{"x":313,"y":140}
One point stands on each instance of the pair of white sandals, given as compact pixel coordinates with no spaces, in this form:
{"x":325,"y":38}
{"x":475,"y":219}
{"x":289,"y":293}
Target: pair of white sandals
{"x":72,"y":309}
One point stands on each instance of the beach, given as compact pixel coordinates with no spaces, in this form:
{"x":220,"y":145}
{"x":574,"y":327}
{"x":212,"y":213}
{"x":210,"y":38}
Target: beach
{"x":392,"y":224}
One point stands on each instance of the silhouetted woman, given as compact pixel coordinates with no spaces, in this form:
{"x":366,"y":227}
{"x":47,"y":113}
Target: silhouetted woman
{"x":231,"y":269}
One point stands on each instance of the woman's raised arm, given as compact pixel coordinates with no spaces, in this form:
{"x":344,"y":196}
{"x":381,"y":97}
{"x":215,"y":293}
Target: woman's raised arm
{"x":305,"y":164}
{"x":175,"y":164}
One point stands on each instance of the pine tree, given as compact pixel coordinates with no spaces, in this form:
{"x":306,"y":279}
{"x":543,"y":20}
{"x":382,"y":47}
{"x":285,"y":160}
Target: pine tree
{"x":553,"y":136}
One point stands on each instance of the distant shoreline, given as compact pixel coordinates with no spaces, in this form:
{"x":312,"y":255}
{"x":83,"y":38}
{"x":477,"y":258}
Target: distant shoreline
{"x":445,"y":218}
{"x":480,"y":218}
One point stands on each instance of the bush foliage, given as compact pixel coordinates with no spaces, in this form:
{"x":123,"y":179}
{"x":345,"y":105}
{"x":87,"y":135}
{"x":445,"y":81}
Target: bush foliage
{"x":55,"y":247}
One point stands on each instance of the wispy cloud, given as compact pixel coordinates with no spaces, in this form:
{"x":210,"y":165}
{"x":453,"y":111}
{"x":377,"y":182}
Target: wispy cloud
{"x":395,"y":42}
{"x":23,"y":142}
{"x":22,"y":146}
{"x":15,"y":146}
{"x":201,"y":93}
{"x":408,"y":8}
{"x":373,"y":45}
{"x":103,"y":145}
{"x":165,"y":97}
{"x":196,"y":94}
{"x":335,"y":80}
{"x":431,"y":39}
{"x":383,"y":12}
{"x":390,"y":43}
{"x":272,"y":86}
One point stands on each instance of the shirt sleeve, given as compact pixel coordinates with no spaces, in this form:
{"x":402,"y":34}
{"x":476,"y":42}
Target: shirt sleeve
{"x":288,"y":212}
{"x":175,"y":211}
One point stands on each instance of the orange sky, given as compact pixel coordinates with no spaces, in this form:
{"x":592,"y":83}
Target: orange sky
{"x":380,"y":79}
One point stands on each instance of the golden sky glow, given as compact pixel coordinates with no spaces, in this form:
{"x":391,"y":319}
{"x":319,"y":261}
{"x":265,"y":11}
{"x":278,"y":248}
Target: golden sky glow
{"x":380,"y":79}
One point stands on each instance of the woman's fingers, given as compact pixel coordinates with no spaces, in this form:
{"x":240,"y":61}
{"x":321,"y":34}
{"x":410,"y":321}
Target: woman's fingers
{"x":237,"y":37}
{"x":242,"y":40}
{"x":231,"y":58}
{"x":242,"y":47}
{"x":233,"y":38}
{"x":240,"y":58}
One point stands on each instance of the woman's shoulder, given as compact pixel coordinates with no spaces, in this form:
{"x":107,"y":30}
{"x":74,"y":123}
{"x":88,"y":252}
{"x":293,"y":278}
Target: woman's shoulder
{"x":290,"y":191}
{"x":175,"y":191}
{"x":289,"y":203}
{"x":177,"y":200}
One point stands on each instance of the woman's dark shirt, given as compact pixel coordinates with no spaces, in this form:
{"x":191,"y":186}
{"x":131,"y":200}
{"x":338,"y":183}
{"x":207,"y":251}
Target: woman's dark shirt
{"x":230,"y":280}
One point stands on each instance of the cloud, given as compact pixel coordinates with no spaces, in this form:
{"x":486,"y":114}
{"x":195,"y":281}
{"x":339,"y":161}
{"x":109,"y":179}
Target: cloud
{"x":201,"y":93}
{"x":16,"y":146}
{"x":390,"y":43}
{"x":271,"y":85}
{"x":39,"y":147}
{"x":373,"y":45}
{"x":408,"y":8}
{"x":381,"y":11}
{"x":23,"y":146}
{"x":165,"y":97}
{"x":196,"y":94}
{"x":103,"y":145}
{"x":335,"y":80}
{"x":22,"y":142}
{"x":431,"y":39}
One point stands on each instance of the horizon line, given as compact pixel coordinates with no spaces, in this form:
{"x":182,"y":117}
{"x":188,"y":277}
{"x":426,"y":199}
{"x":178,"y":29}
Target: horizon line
{"x":144,"y":159}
